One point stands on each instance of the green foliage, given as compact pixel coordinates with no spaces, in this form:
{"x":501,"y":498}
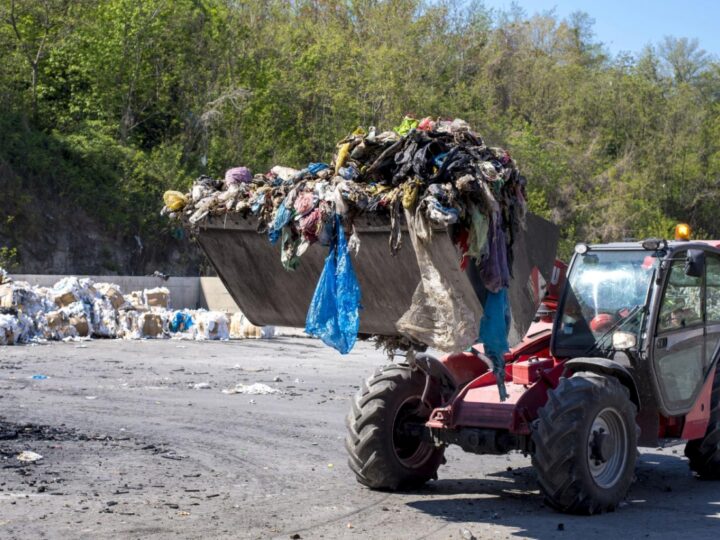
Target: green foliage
{"x":107,"y":104}
{"x":9,"y":259}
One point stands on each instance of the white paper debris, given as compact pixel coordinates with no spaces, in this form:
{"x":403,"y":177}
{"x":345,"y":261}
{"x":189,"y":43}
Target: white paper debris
{"x":252,"y":389}
{"x":28,"y":457}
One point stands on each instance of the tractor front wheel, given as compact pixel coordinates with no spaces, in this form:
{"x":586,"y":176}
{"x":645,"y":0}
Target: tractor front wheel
{"x":704,"y":454}
{"x":586,"y":444}
{"x":386,"y":445}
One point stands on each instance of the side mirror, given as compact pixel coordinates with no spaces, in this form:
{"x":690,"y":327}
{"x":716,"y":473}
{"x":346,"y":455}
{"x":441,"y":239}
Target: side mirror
{"x":695,"y":263}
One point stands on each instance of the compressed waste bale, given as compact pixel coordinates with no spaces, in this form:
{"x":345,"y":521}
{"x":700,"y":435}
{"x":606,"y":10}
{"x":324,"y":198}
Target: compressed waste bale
{"x":129,"y":324}
{"x":7,"y":296}
{"x":81,"y":325}
{"x":65,"y":298}
{"x":136,"y":301}
{"x":79,"y":319}
{"x":151,"y":325}
{"x":181,"y":324}
{"x":158,"y":297}
{"x":105,"y":321}
{"x":79,"y":308}
{"x":112,"y":292}
{"x":212,"y":325}
{"x":242,"y":328}
{"x":10,"y":330}
{"x":55,"y":325}
{"x":71,"y":289}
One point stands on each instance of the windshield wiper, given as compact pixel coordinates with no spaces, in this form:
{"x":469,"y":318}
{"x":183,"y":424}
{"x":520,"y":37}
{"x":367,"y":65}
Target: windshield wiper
{"x":596,"y":346}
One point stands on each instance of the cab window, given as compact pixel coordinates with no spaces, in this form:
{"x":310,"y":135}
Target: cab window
{"x":681,"y":306}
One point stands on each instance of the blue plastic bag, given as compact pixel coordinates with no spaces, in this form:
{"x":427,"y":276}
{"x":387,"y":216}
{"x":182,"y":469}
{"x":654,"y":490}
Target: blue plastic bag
{"x":181,"y":322}
{"x":494,"y":328}
{"x":333,"y":315}
{"x":282,"y":218}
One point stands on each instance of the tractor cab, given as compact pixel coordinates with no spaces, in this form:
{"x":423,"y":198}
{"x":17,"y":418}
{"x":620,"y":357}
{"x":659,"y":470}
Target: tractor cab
{"x":652,"y":306}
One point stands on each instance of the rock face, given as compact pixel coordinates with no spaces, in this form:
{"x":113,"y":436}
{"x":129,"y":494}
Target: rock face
{"x":53,"y":235}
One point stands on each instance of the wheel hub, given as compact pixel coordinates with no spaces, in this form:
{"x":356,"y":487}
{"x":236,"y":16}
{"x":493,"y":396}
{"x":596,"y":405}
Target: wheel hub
{"x":411,"y":449}
{"x":600,"y":446}
{"x":607,"y":447}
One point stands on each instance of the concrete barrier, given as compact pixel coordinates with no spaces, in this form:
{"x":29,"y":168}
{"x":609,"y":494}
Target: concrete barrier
{"x":185,"y":292}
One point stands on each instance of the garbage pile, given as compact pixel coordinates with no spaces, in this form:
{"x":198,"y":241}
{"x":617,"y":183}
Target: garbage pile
{"x":441,"y":172}
{"x":81,"y":309}
{"x":426,"y":174}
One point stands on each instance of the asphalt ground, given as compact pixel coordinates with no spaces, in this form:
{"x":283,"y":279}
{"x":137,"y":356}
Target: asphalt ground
{"x":139,"y":441}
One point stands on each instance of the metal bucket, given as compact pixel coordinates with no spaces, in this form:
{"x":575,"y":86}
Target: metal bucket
{"x":249,"y":267}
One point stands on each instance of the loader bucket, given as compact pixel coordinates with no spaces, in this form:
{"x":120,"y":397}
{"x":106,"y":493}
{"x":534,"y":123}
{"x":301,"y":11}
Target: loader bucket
{"x":249,"y":267}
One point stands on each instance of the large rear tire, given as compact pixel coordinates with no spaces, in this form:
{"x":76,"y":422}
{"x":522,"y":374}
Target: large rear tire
{"x":586,"y":444}
{"x":384,"y":451}
{"x":704,"y":454}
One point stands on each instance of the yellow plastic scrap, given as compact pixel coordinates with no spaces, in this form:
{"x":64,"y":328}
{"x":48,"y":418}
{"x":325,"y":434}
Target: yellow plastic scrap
{"x":406,"y":125}
{"x":410,"y":194}
{"x":174,"y":200}
{"x":342,"y":156}
{"x":345,"y":149}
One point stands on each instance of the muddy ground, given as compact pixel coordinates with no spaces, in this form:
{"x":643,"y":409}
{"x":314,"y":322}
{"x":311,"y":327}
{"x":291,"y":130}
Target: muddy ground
{"x":138,"y":441}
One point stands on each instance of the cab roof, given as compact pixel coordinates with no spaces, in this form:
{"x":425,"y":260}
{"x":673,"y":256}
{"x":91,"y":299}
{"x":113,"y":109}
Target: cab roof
{"x":672,"y":244}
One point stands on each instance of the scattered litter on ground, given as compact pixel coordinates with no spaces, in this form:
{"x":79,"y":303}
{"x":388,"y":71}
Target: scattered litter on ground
{"x":252,"y":389}
{"x":28,"y":457}
{"x":200,"y":386}
{"x":39,"y":377}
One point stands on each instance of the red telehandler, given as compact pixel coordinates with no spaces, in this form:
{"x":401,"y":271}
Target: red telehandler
{"x":629,"y":360}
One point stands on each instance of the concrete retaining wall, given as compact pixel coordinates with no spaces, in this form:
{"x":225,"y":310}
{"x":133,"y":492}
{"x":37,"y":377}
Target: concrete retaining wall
{"x":185,"y":292}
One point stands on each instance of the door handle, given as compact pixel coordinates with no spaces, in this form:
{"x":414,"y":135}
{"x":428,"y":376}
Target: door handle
{"x":661,"y":343}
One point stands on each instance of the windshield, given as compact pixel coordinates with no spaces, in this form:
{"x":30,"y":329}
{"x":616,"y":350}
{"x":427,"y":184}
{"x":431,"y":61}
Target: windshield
{"x":605,"y":291}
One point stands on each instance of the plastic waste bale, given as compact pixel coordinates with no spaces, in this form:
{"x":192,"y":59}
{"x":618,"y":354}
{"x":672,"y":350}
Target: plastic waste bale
{"x":129,"y":322}
{"x":136,"y":301}
{"x":56,"y":325}
{"x":79,"y":319}
{"x":113,"y":293}
{"x":152,"y":325}
{"x":10,"y":330}
{"x":242,"y":328}
{"x":212,"y":325}
{"x":158,"y":297}
{"x":181,"y":324}
{"x":71,"y":289}
{"x":105,"y":321}
{"x":26,"y":327}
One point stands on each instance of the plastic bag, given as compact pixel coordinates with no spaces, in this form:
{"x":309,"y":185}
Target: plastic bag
{"x":333,"y":315}
{"x":181,"y":321}
{"x":174,"y":200}
{"x":439,"y":315}
{"x":494,"y":328}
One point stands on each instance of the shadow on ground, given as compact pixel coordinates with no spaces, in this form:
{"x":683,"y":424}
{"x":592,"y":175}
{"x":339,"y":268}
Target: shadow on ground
{"x":665,"y":501}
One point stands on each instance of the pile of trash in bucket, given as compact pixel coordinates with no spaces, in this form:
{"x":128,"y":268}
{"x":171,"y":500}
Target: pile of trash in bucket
{"x":422,"y":175}
{"x":80,"y":309}
{"x":440,"y":172}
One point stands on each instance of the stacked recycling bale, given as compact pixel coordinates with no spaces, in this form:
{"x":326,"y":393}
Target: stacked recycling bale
{"x":81,"y":309}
